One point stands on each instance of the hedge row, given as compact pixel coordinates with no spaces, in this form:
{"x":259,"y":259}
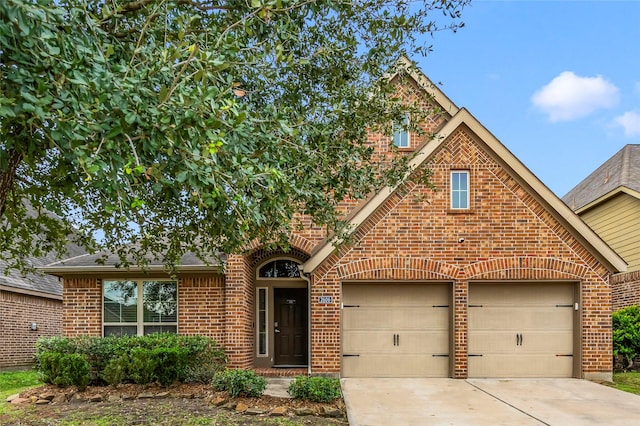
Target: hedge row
{"x":163,"y":358}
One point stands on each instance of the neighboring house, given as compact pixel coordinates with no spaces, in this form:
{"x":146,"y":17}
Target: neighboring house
{"x":490,"y":275}
{"x":30,"y":308}
{"x":608,"y":200}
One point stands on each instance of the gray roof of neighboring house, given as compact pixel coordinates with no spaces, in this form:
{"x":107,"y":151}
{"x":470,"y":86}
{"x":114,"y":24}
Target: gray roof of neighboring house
{"x":37,"y":281}
{"x":621,"y":170}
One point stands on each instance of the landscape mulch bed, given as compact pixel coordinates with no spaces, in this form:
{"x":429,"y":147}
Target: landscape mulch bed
{"x":156,"y":405}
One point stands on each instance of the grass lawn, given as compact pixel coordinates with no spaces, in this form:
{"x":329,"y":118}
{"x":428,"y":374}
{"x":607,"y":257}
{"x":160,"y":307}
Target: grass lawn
{"x":12,"y":382}
{"x":628,"y":382}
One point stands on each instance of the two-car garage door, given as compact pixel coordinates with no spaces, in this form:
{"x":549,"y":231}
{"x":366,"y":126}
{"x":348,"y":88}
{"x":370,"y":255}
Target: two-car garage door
{"x":514,"y":330}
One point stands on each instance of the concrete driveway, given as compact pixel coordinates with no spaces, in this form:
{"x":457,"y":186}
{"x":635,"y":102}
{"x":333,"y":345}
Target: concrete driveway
{"x":487,"y":402}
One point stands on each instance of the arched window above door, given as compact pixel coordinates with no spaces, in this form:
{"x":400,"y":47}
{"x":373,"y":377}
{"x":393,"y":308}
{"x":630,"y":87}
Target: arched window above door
{"x":280,"y":268}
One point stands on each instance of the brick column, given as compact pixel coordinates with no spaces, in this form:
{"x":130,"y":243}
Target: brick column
{"x":239,"y":315}
{"x":82,"y":307}
{"x":460,"y":326}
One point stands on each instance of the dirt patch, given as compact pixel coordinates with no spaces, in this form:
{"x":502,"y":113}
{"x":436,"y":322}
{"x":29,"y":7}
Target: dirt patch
{"x":181,"y":404}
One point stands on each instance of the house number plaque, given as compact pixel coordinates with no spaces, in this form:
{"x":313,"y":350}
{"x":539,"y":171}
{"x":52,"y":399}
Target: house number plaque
{"x":324,"y":300}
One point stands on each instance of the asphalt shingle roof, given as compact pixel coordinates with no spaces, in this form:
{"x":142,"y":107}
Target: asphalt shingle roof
{"x":36,"y":281}
{"x":621,"y":170}
{"x":89,"y":260}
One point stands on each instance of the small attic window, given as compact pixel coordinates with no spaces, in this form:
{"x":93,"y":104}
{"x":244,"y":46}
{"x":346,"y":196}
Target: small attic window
{"x":460,"y":189}
{"x":401,"y":136}
{"x":280,"y":268}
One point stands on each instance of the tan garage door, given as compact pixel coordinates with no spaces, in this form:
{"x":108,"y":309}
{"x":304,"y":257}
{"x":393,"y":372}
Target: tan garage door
{"x":395,"y":330}
{"x":521,"y":330}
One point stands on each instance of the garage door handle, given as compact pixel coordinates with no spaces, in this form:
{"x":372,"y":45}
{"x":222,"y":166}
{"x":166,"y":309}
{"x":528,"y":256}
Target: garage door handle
{"x":396,"y":340}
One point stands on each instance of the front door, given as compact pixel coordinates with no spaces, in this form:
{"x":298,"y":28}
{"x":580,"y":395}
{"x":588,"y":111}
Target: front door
{"x":290,"y":326}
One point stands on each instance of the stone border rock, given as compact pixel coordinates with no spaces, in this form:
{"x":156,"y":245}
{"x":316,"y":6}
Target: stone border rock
{"x":218,"y":401}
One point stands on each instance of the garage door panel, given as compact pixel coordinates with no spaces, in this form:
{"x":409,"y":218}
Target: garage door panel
{"x":390,"y":295}
{"x":388,"y":365}
{"x":398,"y":317}
{"x":394,"y":330}
{"x":520,"y":317}
{"x":506,"y":342}
{"x":520,"y":330}
{"x":408,"y":341}
{"x":522,"y":366}
{"x":523,"y":294}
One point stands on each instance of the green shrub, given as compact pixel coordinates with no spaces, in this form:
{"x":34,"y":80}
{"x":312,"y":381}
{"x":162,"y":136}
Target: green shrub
{"x":239,"y":383}
{"x":64,"y":369}
{"x":206,"y":358}
{"x":182,"y":358}
{"x":316,"y":389}
{"x":117,"y":370}
{"x":170,"y":363}
{"x":626,"y":333}
{"x":142,"y":366}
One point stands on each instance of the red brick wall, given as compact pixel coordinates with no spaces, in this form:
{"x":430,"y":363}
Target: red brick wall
{"x":238,"y":302}
{"x":508,"y":236}
{"x":201,"y":307}
{"x":17,"y":312}
{"x":82,"y":300}
{"x":626,"y":289}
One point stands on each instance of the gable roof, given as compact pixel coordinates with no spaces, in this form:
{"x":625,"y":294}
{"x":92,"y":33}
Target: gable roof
{"x":620,"y":173}
{"x":462,"y":117}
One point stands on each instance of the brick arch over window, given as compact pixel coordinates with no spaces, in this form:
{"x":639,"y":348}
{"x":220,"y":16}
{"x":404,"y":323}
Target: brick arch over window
{"x":262,"y":255}
{"x":525,"y":268}
{"x":396,"y":268}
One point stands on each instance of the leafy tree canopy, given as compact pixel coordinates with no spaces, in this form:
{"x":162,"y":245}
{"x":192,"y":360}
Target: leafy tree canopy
{"x":194,"y":125}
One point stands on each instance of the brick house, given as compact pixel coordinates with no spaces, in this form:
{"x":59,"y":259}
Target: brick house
{"x":490,"y":275}
{"x":30,"y":308}
{"x":608,"y":200}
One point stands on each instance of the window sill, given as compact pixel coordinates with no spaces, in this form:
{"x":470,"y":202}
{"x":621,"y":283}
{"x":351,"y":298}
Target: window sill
{"x":460,"y":211}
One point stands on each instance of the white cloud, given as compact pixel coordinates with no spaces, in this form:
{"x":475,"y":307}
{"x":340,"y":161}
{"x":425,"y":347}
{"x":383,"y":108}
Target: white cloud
{"x":630,"y":122}
{"x":569,"y":96}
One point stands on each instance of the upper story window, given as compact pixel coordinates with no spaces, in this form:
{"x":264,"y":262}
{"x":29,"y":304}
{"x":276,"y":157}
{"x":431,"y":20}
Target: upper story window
{"x":459,"y":189}
{"x":401,"y":135}
{"x":280,"y":268}
{"x":139,"y":307}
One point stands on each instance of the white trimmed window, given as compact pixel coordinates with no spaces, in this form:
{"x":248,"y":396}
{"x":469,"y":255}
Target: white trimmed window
{"x":262,"y":314}
{"x":401,"y":136}
{"x":459,"y":189}
{"x":139,"y":307}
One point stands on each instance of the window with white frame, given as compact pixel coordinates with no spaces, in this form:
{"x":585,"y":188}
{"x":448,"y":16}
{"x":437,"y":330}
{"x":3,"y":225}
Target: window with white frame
{"x":401,"y":136}
{"x":262,"y":321}
{"x":139,"y":307}
{"x":459,"y":189}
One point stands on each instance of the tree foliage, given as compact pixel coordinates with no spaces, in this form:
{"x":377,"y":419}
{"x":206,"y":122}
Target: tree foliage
{"x":194,"y":125}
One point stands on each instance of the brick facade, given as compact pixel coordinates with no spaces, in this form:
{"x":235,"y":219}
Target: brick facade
{"x":626,"y":290}
{"x":18,"y":312}
{"x":511,"y":234}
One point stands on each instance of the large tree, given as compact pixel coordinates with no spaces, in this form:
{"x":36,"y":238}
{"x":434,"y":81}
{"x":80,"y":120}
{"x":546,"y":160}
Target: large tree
{"x":194,"y":125}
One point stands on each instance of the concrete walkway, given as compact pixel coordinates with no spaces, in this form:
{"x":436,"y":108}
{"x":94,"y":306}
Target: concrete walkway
{"x":487,"y":402}
{"x":278,"y":386}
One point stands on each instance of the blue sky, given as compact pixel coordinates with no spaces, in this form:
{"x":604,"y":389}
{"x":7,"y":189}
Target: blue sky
{"x":557,"y":82}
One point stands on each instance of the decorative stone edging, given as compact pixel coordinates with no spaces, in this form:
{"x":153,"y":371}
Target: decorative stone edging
{"x":218,"y":401}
